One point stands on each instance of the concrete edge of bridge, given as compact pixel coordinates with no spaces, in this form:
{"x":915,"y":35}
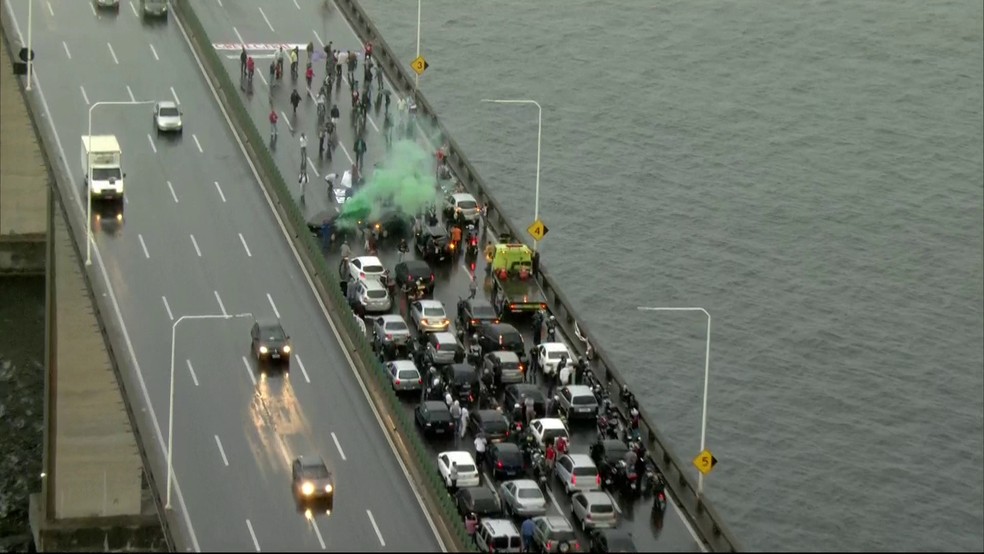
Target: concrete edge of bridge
{"x":146,"y":531}
{"x":445,"y":531}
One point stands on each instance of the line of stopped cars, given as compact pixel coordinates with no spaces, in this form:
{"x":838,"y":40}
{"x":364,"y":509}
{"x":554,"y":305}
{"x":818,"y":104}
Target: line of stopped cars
{"x":476,"y":359}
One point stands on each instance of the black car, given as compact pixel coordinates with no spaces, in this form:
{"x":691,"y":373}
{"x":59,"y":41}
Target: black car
{"x":501,"y":336}
{"x":433,"y":243}
{"x":312,"y":481}
{"x":611,"y":540}
{"x":411,"y":273}
{"x":517,"y":394}
{"x":481,"y":501}
{"x":606,"y":454}
{"x":269,"y":342}
{"x":462,"y":381}
{"x":474,"y":312}
{"x":434,"y":418}
{"x":491,"y":423}
{"x":505,"y":460}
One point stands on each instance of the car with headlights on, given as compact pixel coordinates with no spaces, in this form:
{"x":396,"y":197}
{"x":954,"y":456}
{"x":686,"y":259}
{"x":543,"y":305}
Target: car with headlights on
{"x":490,"y":423}
{"x":467,"y":470}
{"x":434,"y":244}
{"x":404,"y":376}
{"x":593,"y":510}
{"x":311,"y":480}
{"x":112,"y":4}
{"x":505,"y":460}
{"x":481,"y":501}
{"x":269,"y":342}
{"x":434,"y":418}
{"x":522,"y":497}
{"x":429,"y":316}
{"x":167,"y":117}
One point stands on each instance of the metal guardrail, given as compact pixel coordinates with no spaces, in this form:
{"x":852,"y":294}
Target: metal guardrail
{"x":702,"y":514}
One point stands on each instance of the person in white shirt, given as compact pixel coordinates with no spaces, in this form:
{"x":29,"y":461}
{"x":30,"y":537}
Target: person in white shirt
{"x":480,"y":444}
{"x":565,"y":375}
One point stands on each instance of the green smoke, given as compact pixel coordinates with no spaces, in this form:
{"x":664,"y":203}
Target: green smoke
{"x":404,"y":181}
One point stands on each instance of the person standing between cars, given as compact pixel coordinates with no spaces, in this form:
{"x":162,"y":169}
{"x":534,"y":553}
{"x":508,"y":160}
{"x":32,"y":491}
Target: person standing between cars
{"x":537,"y":327}
{"x":471,"y":524}
{"x":367,"y":49}
{"x":379,"y":78}
{"x":456,"y":237}
{"x":326,"y":234}
{"x":527,"y":533}
{"x":453,"y":477}
{"x":534,"y":365}
{"x":472,"y":287}
{"x":565,"y":371}
{"x":551,"y":455}
{"x":530,"y":410}
{"x":463,"y":422}
{"x":480,"y":445}
{"x":455,"y":413}
{"x":360,"y":150}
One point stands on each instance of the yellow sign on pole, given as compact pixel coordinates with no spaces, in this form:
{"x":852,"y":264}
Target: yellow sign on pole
{"x":705,"y":462}
{"x":419,"y":65}
{"x":538,"y":230}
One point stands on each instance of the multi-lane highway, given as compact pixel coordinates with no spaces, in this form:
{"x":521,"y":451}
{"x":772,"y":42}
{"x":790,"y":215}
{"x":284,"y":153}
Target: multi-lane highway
{"x":264,"y":22}
{"x":200,"y":237}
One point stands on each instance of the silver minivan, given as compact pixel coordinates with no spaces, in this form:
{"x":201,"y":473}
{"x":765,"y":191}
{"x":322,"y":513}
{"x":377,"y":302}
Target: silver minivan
{"x":372,"y":294}
{"x":498,"y":535}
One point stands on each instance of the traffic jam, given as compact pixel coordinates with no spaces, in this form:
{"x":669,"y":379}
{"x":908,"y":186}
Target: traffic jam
{"x":528,"y":442}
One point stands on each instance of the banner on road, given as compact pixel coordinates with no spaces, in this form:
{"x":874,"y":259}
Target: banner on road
{"x":257,"y":46}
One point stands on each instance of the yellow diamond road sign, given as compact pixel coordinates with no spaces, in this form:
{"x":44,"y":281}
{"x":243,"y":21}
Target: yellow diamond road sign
{"x":419,"y":65}
{"x":705,"y":462}
{"x":538,"y":230}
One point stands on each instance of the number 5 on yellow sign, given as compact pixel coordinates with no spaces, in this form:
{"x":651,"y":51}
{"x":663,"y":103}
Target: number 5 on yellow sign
{"x":705,"y":462}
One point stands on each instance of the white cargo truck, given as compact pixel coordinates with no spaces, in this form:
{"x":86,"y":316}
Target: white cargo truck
{"x":102,"y":156}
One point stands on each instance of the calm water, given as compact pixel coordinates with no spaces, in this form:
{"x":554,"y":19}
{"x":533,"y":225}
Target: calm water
{"x":812,"y":174}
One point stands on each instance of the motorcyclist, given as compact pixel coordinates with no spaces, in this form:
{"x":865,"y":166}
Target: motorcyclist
{"x":456,"y":237}
{"x":551,"y":329}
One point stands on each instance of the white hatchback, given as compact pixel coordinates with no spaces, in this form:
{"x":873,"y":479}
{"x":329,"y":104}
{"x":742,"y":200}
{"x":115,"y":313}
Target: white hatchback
{"x":547,"y":429}
{"x":364,"y":267}
{"x":550,"y":354}
{"x":467,"y":470}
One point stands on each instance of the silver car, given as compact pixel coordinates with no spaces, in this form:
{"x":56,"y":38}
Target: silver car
{"x":443,"y":348}
{"x":404,"y":375}
{"x":465,"y":204}
{"x":372,"y":294}
{"x":390,"y":330}
{"x":523,"y":497}
{"x":594,"y":510}
{"x":429,"y":315}
{"x":167,"y":117}
{"x":577,"y":472}
{"x":578,"y":402}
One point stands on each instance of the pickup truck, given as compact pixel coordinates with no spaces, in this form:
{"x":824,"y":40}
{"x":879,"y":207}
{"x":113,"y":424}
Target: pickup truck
{"x":514,"y":289}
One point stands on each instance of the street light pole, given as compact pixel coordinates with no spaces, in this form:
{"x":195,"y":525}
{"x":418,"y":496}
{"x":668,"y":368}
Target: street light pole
{"x":170,"y":410}
{"x":30,"y":51}
{"x":707,"y":367}
{"x":416,"y":76}
{"x":539,"y":135}
{"x":88,"y":171}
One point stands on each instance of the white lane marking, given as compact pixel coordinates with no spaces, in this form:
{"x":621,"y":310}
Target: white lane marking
{"x":220,"y":3}
{"x":240,"y":37}
{"x":105,"y":274}
{"x":252,"y":534}
{"x":168,"y":308}
{"x":134,"y":8}
{"x":265,"y":19}
{"x":169,"y":186}
{"x":243,"y":240}
{"x":300,"y":363}
{"x":298,"y":7}
{"x":274,"y":306}
{"x":65,"y":46}
{"x":262,"y":78}
{"x":195,"y":242}
{"x":154,"y":52}
{"x":130,"y":92}
{"x":373,"y":123}
{"x":287,"y":121}
{"x":314,"y":293}
{"x":192,"y":371}
{"x":152,"y":147}
{"x":345,"y":151}
{"x":317,"y":533}
{"x":115,"y":59}
{"x":218,"y":188}
{"x":93,"y":8}
{"x":86,"y":97}
{"x":175,"y":95}
{"x":311,"y":165}
{"x":249,"y":371}
{"x":198,"y":144}
{"x":376,"y":527}
{"x":221,"y":305}
{"x":143,"y":245}
{"x":317,"y":36}
{"x":338,"y":446}
{"x":225,"y":460}
{"x":50,"y":10}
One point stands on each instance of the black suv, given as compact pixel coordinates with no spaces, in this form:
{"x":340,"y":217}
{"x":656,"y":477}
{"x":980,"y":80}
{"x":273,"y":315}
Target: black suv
{"x":501,"y":336}
{"x":410,"y":272}
{"x":433,"y":243}
{"x":516,"y":394}
{"x":462,"y":381}
{"x":473,"y":312}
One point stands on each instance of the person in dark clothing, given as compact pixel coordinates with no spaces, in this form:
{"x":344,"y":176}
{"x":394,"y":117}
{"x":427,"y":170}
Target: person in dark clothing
{"x":242,"y":62}
{"x":360,"y":151}
{"x":534,"y":366}
{"x":536,"y":262}
{"x":295,"y":99}
{"x":537,"y":327}
{"x":579,"y":368}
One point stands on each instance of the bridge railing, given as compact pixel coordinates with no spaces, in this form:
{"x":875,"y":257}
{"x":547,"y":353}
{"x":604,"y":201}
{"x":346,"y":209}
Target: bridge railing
{"x":678,"y":473}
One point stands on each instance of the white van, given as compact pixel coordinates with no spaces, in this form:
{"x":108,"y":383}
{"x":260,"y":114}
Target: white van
{"x":102,"y":156}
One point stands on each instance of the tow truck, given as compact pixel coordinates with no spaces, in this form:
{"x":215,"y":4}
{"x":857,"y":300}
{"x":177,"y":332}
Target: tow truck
{"x":514,"y":289}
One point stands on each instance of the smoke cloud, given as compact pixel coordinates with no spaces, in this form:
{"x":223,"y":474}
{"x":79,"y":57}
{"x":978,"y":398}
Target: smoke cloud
{"x":404,"y":180}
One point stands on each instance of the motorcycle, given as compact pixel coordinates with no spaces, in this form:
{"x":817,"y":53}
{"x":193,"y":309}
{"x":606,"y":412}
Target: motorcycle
{"x":631,"y":479}
{"x":607,"y":427}
{"x":471,"y":241}
{"x":649,"y":482}
{"x":541,"y":471}
{"x":659,"y":508}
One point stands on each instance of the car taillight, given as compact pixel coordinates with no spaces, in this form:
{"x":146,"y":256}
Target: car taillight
{"x":598,"y":479}
{"x":397,"y":382}
{"x":549,"y":545}
{"x":507,"y":433}
{"x":498,"y":465}
{"x":409,"y":278}
{"x":587,"y":516}
{"x":362,"y":274}
{"x":438,"y":347}
{"x":573,"y":480}
{"x":389,"y":336}
{"x":474,"y":322}
{"x":420,"y":381}
{"x":577,"y":546}
{"x":432,"y":277}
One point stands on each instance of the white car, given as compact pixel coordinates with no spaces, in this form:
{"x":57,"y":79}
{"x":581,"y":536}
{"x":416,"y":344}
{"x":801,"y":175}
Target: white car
{"x":550,"y":354}
{"x":364,"y":267}
{"x":167,"y":117}
{"x":464,"y":203}
{"x":546,"y":429}
{"x":577,"y":472}
{"x":467,"y":470}
{"x":429,"y":315}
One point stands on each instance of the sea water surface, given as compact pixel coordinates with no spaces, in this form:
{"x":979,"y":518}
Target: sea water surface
{"x":811,"y":173}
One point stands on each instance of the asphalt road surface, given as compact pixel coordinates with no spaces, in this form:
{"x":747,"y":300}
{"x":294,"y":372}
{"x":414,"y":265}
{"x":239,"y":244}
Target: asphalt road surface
{"x":199,"y":237}
{"x":263,"y":22}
